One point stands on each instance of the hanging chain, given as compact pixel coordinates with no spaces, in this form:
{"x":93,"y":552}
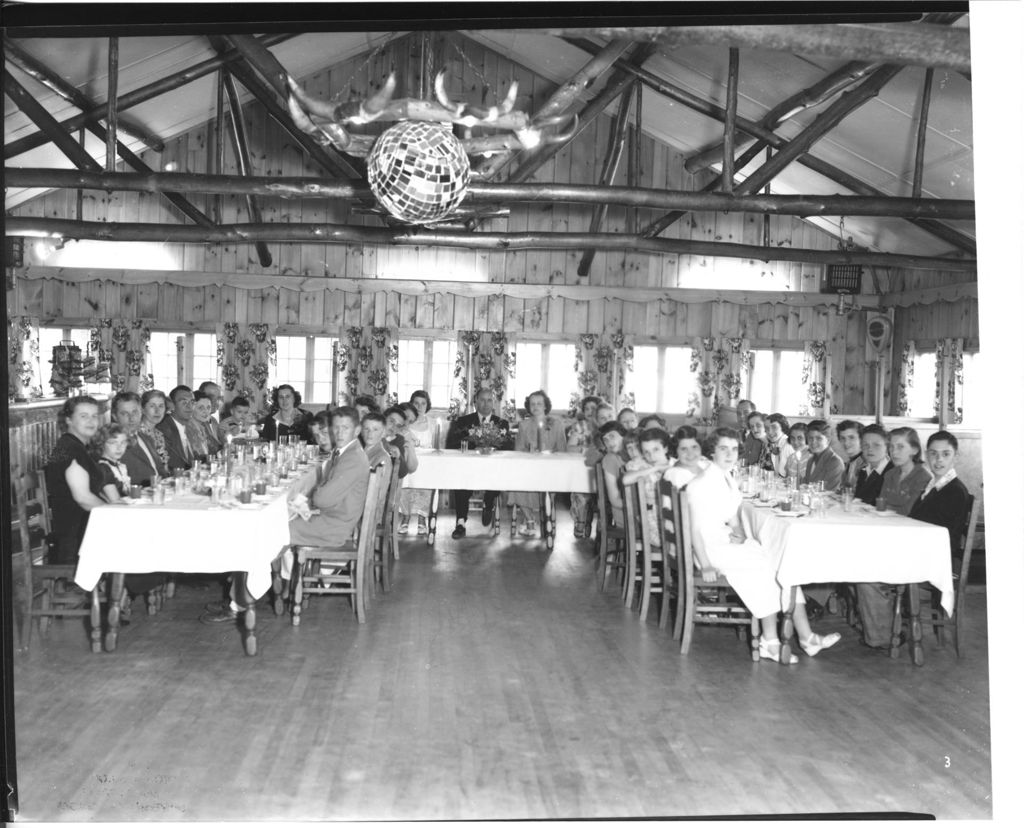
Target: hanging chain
{"x":842,"y":232}
{"x":484,"y":85}
{"x":356,"y":72}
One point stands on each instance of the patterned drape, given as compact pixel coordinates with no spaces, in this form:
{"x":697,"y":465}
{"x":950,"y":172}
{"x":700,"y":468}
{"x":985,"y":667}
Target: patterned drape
{"x":602,"y":363}
{"x":24,"y":369}
{"x":486,"y":358}
{"x":906,"y":379}
{"x":121,"y":350}
{"x":246,"y":359}
{"x":814,"y":380}
{"x":365,"y":358}
{"x":722,"y":369}
{"x":949,"y":368}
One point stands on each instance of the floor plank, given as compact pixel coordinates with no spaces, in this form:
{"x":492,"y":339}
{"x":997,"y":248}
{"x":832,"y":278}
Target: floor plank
{"x":493,"y":681}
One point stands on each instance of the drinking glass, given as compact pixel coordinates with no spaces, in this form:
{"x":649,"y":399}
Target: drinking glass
{"x":847,"y":499}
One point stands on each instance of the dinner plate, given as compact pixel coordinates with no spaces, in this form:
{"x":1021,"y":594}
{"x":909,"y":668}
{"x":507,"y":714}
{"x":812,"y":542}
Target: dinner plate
{"x":792,"y":513}
{"x":886,"y":513}
{"x":765,"y":504}
{"x":250,"y":505}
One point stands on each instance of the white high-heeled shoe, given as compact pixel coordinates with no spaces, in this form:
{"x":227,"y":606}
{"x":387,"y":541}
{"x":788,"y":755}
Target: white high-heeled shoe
{"x":816,"y":643}
{"x":772,"y":650}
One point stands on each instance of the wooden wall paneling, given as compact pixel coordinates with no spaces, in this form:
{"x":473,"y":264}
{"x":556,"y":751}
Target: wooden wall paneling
{"x":462,"y":312}
{"x":495,"y":312}
{"x":311,"y":308}
{"x":70,"y":303}
{"x":392,"y":309}
{"x":407,"y":311}
{"x":147,"y":301}
{"x":480,"y":308}
{"x":515,"y":311}
{"x":595,"y":316}
{"x":634,"y":319}
{"x":664,"y":311}
{"x":368,"y":262}
{"x":367,"y":309}
{"x":837,"y":340}
{"x":535,"y":315}
{"x":353,"y":309}
{"x":334,"y":310}
{"x":110,"y":304}
{"x":443,"y":311}
{"x":425,"y":310}
{"x":232,"y":304}
{"x":170,"y":307}
{"x":498,"y":268}
{"x":729,"y":320}
{"x":574,"y":316}
{"x":193,"y":300}
{"x":288,"y":306}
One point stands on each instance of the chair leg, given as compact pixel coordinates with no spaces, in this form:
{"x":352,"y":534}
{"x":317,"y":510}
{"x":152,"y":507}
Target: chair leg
{"x":686,"y":610}
{"x":897,"y":622}
{"x":44,"y":605}
{"x":298,"y":570}
{"x":169,"y":587}
{"x":359,"y":592}
{"x":665,"y":583}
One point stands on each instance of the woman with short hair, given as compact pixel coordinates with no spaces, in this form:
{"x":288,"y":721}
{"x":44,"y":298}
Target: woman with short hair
{"x":690,"y":459}
{"x":154,"y":409}
{"x":909,"y":476}
{"x":286,"y":417}
{"x":201,"y":430}
{"x":824,"y":464}
{"x":539,"y":432}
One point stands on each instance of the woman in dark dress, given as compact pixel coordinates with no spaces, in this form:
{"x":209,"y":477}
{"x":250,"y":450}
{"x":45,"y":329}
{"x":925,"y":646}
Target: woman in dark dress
{"x":73,"y":479}
{"x":286,"y":417}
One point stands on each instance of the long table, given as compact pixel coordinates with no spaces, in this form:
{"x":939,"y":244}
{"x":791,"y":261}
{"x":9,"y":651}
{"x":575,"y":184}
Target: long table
{"x":508,"y":471}
{"x":186,"y":534}
{"x":860,"y":546}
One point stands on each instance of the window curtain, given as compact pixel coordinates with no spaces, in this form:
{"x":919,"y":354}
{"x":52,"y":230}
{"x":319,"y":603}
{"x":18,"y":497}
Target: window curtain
{"x":602,"y":364}
{"x":722,"y":370}
{"x":949,"y":381}
{"x":120,"y":348}
{"x":365,"y":358}
{"x":24,"y":366}
{"x":246,"y":359}
{"x":814,"y":380}
{"x":906,"y":379}
{"x":486,"y":359}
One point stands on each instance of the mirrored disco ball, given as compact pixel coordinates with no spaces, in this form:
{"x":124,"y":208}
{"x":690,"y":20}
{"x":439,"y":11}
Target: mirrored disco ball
{"x":418,"y":171}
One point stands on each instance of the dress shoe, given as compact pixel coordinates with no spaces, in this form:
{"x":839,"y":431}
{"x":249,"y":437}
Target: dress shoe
{"x":887,"y":645}
{"x":460,"y":531}
{"x":772,"y":650}
{"x":816,"y":643}
{"x":219,"y":617}
{"x":487,"y":516}
{"x":577,"y":529}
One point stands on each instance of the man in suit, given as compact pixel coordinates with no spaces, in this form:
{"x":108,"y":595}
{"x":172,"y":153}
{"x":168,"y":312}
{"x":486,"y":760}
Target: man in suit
{"x":141,"y":457}
{"x":874,"y":449}
{"x":848,"y":434}
{"x":338,"y":498}
{"x":944,"y":503}
{"x":172,"y":426}
{"x":459,"y":431}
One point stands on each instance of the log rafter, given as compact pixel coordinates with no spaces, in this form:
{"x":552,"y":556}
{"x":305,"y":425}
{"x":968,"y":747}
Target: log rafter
{"x":483,"y":192}
{"x":347,"y":234}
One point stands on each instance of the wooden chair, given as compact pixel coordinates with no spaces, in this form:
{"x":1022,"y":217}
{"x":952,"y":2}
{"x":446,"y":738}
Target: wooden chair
{"x":345,"y":569}
{"x":611,"y":543}
{"x":52,"y":584}
{"x":644,"y":553}
{"x":935,"y":615}
{"x":705,"y":602}
{"x":385,"y":534}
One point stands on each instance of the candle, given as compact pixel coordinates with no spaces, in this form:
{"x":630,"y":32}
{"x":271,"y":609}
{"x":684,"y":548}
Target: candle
{"x":437,"y":435}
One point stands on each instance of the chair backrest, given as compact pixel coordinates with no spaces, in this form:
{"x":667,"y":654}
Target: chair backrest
{"x":668,"y":500}
{"x":33,"y":513}
{"x":970,"y":526}
{"x":684,"y":530}
{"x":387,"y":516}
{"x":604,"y":511}
{"x":646,"y":527}
{"x":371,"y":507}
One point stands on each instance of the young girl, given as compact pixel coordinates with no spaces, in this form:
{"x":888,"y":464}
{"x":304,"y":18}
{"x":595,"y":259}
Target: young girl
{"x":417,"y":433}
{"x":647,"y":471}
{"x":111,"y":442}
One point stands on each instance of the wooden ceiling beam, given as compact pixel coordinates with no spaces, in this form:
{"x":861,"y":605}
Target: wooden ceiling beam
{"x":136,"y":97}
{"x":41,"y":73}
{"x":907,"y":44}
{"x":32,"y":226}
{"x":484,"y":192}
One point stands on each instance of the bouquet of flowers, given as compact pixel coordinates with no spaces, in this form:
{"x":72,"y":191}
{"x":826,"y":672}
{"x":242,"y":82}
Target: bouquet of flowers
{"x":488,"y":436}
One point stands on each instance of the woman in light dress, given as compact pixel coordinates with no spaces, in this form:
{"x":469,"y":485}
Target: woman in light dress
{"x":419,"y":433}
{"x":540,"y":432}
{"x":720,"y":545}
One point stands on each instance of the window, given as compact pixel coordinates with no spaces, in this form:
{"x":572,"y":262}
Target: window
{"x":163,"y":353}
{"x":921,"y":398}
{"x":430,"y":365}
{"x":775,"y":382}
{"x":306,"y":363}
{"x":204,"y":358}
{"x":544,"y":366}
{"x":974,"y":389}
{"x":661,"y":382}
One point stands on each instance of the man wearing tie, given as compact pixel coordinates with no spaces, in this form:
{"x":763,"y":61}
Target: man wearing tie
{"x":874,"y":448}
{"x":141,"y":457}
{"x":172,"y":426}
{"x":459,"y":431}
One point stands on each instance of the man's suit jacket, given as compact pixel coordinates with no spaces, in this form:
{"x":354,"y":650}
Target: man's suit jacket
{"x":177,"y":458}
{"x":339,"y":497}
{"x":869,"y":488}
{"x":140,"y":469}
{"x":827,"y":467}
{"x":944,"y":507}
{"x":460,"y":429}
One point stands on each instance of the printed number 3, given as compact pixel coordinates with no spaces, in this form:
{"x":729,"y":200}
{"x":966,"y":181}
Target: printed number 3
{"x":946,"y":764}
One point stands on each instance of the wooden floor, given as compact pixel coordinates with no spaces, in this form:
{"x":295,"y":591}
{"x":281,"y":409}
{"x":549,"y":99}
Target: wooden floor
{"x":494,"y":681}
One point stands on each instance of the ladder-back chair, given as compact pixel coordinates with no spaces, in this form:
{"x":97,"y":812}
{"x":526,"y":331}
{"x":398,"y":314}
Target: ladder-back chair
{"x":52,"y":583}
{"x":644,"y":551}
{"x":936,"y":615}
{"x":384,"y":535}
{"x":706,"y":602}
{"x":611,"y":545}
{"x":345,"y":569}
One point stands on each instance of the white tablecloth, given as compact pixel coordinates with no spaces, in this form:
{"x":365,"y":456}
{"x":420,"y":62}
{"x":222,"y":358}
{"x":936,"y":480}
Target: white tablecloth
{"x":854,"y":547}
{"x":186,"y":534}
{"x":511,"y":471}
